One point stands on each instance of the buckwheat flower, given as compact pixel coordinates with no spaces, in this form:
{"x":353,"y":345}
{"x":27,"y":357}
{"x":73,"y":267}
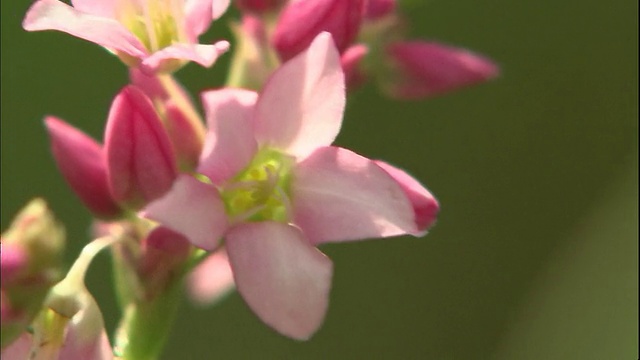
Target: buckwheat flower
{"x":156,"y":35}
{"x":274,"y":188}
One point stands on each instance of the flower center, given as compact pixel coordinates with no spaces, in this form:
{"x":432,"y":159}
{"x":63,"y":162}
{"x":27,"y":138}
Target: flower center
{"x":260,"y":192}
{"x":154,"y":22}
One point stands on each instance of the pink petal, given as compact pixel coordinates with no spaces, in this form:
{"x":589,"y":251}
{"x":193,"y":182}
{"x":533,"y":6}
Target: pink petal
{"x":140,"y":158}
{"x":56,"y":15}
{"x":14,"y":260}
{"x":427,"y":69}
{"x":339,"y":195}
{"x":302,"y":103}
{"x":425,"y":206}
{"x":229,"y":144}
{"x":376,"y":9}
{"x":259,"y":7}
{"x":164,"y":60}
{"x":193,"y":209}
{"x":301,"y":21}
{"x":212,"y":279}
{"x":219,"y":7}
{"x":82,"y":163}
{"x":283,"y":279}
{"x":103,"y":8}
{"x":197,"y":17}
{"x":19,"y":349}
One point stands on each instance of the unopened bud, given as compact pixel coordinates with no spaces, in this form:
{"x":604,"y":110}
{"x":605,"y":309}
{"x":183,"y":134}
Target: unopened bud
{"x":301,"y":21}
{"x":31,"y":251}
{"x":141,"y":164}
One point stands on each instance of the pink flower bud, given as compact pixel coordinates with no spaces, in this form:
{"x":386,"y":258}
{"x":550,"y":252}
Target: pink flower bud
{"x":180,"y":118}
{"x":81,"y":162}
{"x":259,"y":6}
{"x":350,"y":61}
{"x":31,"y":263}
{"x":376,"y":9}
{"x":141,"y":164}
{"x":425,"y":69}
{"x":302,"y":21}
{"x":163,"y":252}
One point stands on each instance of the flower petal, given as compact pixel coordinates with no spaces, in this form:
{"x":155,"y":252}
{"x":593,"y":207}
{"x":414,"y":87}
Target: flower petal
{"x":229,"y":144}
{"x":283,"y":279}
{"x":211,"y":280}
{"x":164,"y":60}
{"x":104,"y":8}
{"x":219,"y":7}
{"x":425,"y":206}
{"x":56,"y":15}
{"x":339,"y":195}
{"x":302,"y":103}
{"x":193,"y":209}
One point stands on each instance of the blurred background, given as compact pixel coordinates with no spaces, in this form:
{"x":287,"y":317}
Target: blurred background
{"x":535,"y":253}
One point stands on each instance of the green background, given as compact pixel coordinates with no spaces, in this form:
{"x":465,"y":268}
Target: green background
{"x":534,"y":255}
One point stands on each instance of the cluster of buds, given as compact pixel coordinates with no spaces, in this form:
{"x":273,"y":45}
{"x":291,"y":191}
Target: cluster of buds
{"x":243,"y":195}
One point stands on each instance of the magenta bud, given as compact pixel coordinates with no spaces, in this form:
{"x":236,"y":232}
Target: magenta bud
{"x":425,"y":69}
{"x":163,"y":252}
{"x":259,"y":6}
{"x":179,"y":116}
{"x":301,"y":21}
{"x":141,"y":164}
{"x":350,"y":61}
{"x":376,"y":9}
{"x":82,"y":164}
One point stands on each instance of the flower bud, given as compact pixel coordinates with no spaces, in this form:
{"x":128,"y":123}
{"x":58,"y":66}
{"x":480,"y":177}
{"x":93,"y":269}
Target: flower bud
{"x":301,"y":21}
{"x":350,"y":62}
{"x":182,"y":122}
{"x":31,"y":263}
{"x":424,"y":69}
{"x":375,"y":9}
{"x":141,"y":164}
{"x":70,"y":324}
{"x":81,"y":162}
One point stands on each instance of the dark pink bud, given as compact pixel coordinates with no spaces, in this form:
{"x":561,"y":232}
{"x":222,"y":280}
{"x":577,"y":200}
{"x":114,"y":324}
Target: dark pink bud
{"x":163,"y":252}
{"x":350,"y":61}
{"x":376,"y":9}
{"x":141,"y":163}
{"x":301,"y":21}
{"x":426,"y":69}
{"x":259,"y":6}
{"x":180,"y":119}
{"x":82,"y":164}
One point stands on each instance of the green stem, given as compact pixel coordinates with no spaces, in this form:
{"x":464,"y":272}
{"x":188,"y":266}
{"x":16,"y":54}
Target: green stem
{"x":146,"y":324}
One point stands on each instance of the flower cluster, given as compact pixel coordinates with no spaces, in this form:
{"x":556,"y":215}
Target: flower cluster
{"x":240,"y":197}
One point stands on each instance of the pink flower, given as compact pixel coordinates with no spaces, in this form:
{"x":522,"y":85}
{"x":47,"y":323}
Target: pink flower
{"x":301,"y":21}
{"x":275,"y":189}
{"x":156,"y":35}
{"x":426,"y":69}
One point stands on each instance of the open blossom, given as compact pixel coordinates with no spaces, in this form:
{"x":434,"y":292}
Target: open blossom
{"x":155,"y":35}
{"x":274,"y":188}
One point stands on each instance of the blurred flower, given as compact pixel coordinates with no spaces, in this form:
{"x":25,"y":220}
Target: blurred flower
{"x":31,"y":262}
{"x":275,"y":189}
{"x":156,"y":35}
{"x":422,"y":69}
{"x":212,"y":279}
